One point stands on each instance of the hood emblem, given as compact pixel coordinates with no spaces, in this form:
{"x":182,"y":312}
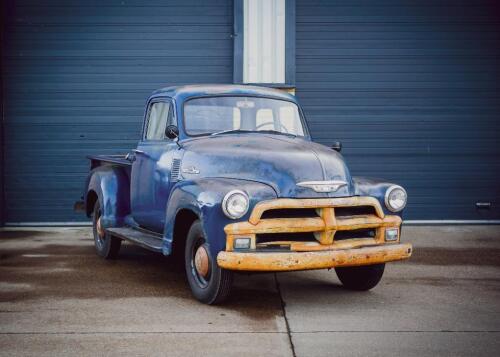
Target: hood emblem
{"x":323,"y":186}
{"x":191,"y":170}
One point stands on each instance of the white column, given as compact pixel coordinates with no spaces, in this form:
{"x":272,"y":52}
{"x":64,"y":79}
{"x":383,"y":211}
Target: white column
{"x":264,"y":41}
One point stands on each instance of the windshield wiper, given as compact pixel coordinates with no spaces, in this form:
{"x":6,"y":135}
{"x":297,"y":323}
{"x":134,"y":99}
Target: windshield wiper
{"x":230,"y":131}
{"x":276,"y":132}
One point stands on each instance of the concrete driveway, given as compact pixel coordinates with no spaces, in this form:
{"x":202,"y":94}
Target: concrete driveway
{"x":58,"y":298}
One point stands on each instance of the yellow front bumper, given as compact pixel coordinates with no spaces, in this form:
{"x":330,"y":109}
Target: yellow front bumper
{"x":326,"y":251}
{"x":288,"y":261}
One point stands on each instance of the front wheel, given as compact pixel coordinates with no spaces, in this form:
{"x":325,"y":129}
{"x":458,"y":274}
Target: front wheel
{"x":360,"y":278}
{"x":209,"y":283}
{"x":106,"y":245}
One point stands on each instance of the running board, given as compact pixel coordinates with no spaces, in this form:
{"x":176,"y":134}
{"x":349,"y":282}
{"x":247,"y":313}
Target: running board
{"x":149,"y":240}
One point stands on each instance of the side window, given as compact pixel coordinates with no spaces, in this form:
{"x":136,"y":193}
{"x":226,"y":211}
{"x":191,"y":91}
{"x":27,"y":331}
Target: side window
{"x":158,"y":115}
{"x":170,"y":119}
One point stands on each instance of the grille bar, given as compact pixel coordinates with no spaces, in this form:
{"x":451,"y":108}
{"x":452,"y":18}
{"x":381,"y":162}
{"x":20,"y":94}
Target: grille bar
{"x":294,"y":225}
{"x":281,"y":203}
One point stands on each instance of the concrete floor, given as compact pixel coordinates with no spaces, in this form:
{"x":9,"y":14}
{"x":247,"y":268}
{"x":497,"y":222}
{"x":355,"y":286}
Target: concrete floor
{"x":58,"y":298}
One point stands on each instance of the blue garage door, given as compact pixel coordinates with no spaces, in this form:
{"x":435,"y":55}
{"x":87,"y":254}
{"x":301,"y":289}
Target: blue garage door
{"x":76,"y":76}
{"x":412,"y":89}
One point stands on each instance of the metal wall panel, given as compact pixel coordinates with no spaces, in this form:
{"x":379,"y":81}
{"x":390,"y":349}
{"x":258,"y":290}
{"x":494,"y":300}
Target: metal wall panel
{"x":76,"y":77}
{"x":412,"y":90}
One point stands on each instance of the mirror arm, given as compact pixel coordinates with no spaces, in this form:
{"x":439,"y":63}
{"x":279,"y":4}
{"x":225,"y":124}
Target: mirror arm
{"x":176,"y":140}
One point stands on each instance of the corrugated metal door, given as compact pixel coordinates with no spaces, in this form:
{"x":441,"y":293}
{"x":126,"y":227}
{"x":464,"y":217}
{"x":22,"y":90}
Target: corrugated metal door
{"x":76,"y":77}
{"x":411,"y":88}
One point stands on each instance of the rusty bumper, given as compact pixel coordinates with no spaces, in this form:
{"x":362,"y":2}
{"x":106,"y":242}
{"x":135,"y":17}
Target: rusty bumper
{"x":323,"y":250}
{"x":288,"y":261}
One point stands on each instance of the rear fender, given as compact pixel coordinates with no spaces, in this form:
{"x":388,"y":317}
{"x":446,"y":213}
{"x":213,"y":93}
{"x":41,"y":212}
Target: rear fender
{"x":112,"y":186}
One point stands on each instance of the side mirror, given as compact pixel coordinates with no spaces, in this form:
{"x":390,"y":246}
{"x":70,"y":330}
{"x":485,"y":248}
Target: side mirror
{"x":172,"y":132}
{"x":337,"y":146}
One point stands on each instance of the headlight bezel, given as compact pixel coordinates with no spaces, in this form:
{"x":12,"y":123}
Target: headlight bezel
{"x":226,"y":199}
{"x":389,"y":191}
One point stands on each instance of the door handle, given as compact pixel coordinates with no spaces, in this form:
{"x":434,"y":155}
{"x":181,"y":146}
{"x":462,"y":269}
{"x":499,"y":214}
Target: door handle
{"x":138,"y":151}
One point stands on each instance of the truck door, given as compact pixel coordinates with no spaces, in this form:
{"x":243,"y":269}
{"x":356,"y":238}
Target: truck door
{"x":150,"y":178}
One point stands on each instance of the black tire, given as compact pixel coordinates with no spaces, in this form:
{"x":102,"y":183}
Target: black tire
{"x":106,"y":245}
{"x":213,"y":288}
{"x":361,"y":278}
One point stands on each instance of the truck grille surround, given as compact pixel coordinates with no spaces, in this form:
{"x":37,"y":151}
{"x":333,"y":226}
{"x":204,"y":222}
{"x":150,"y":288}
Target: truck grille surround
{"x":314,"y":224}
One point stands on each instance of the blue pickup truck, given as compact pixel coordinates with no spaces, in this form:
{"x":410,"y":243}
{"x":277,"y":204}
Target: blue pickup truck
{"x":226,"y":178}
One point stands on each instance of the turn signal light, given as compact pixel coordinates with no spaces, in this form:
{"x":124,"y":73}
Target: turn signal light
{"x":241,"y":243}
{"x":391,"y":234}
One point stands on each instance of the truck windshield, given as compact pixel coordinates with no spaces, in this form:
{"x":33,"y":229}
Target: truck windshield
{"x":214,"y":115}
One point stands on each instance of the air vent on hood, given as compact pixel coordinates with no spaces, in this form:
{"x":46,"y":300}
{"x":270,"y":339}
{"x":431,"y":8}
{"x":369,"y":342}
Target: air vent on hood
{"x":175,"y":170}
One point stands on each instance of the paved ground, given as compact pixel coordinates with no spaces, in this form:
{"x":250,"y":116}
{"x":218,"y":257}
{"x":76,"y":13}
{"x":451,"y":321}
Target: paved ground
{"x":58,"y":298}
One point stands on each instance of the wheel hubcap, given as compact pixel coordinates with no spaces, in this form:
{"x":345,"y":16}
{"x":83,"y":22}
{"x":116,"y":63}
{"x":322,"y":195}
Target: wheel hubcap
{"x":201,"y":261}
{"x":100,"y":230}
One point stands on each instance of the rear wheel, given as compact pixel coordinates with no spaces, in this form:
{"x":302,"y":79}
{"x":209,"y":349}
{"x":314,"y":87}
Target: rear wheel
{"x":360,"y":278}
{"x":209,"y":283}
{"x":106,"y":245}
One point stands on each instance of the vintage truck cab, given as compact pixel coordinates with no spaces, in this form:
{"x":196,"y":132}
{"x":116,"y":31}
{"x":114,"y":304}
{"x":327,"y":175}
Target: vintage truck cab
{"x":226,"y":178}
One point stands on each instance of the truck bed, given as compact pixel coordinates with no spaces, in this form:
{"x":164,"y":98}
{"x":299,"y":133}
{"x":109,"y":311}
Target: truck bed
{"x":99,"y":160}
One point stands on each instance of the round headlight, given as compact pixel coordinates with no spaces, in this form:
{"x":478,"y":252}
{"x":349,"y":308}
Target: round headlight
{"x":395,"y":198}
{"x":235,"y":204}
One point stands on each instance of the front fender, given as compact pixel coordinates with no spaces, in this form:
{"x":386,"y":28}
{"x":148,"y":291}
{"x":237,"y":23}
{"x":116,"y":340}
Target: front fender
{"x":204,"y":198}
{"x":111,"y":184}
{"x":364,"y":186}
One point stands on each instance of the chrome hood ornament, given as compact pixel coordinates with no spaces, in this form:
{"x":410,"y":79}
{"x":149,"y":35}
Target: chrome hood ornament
{"x":323,"y":186}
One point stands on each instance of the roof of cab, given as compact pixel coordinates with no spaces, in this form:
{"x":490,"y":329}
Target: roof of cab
{"x":200,"y":90}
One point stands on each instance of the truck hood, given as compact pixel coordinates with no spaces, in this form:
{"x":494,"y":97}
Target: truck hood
{"x":276,"y":160}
